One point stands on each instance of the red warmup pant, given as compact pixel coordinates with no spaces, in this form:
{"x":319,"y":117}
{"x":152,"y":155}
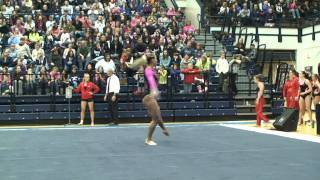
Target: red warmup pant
{"x":259,"y":111}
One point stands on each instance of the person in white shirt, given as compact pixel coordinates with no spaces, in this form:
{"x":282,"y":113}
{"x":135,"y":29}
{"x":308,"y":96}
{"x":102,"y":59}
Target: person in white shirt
{"x":67,"y":7}
{"x":23,"y":48}
{"x":222,"y":68}
{"x":50,"y":23}
{"x":99,"y":24}
{"x":65,"y":37}
{"x":38,"y":56}
{"x":112,"y":91}
{"x":106,"y":64}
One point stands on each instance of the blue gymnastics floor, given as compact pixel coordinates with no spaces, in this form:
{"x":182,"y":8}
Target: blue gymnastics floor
{"x":192,"y":152}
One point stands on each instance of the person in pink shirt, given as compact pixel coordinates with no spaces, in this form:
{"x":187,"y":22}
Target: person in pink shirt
{"x":171,"y":12}
{"x":137,"y":20}
{"x":293,"y":8}
{"x":150,"y":100}
{"x":188,"y":28}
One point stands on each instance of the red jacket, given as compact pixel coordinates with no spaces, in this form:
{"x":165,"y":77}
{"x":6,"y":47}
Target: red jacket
{"x":189,"y":75}
{"x":291,"y":91}
{"x":85,"y":90}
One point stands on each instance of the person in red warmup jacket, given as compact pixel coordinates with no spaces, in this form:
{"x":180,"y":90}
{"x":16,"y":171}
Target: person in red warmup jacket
{"x":189,"y":74}
{"x":87,"y":90}
{"x":291,"y":90}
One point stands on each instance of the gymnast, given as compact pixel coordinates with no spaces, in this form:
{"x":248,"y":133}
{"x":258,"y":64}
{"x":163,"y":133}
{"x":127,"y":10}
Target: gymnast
{"x":150,"y":100}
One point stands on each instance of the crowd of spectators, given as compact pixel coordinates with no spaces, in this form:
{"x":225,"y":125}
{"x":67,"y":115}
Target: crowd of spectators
{"x":47,"y":45}
{"x":264,"y":12}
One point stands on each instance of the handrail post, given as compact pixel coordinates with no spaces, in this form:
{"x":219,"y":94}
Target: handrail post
{"x":205,"y":34}
{"x":12,"y":97}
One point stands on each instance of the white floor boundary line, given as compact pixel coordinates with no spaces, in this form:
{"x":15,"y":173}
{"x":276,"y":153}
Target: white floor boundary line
{"x":291,"y":135}
{"x":101,"y":127}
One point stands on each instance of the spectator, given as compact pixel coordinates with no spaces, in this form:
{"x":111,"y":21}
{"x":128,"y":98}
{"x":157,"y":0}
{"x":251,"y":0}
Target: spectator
{"x":185,"y":62}
{"x":116,"y":48}
{"x":199,"y":51}
{"x":5,"y":82}
{"x":30,"y":82}
{"x":256,"y":14}
{"x":100,"y":78}
{"x":6,"y":61}
{"x":55,"y":57}
{"x":279,"y":9}
{"x":24,"y":49}
{"x":34,"y":37}
{"x":189,"y":74}
{"x":89,"y":70}
{"x":224,"y":9}
{"x":265,"y":6}
{"x":13,"y":52}
{"x":74,"y":78}
{"x":244,"y":14}
{"x":188,"y":50}
{"x":15,"y":37}
{"x":203,"y":65}
{"x":175,"y":78}
{"x":18,"y":80}
{"x":83,"y":54}
{"x":293,"y":9}
{"x":222,"y":68}
{"x":240,"y":47}
{"x":106,"y":63}
{"x":38,"y":57}
{"x":162,"y":78}
{"x":70,"y":61}
{"x":234,"y":70}
{"x":165,"y":59}
{"x":55,"y":79}
{"x":188,"y":28}
{"x":270,"y":19}
{"x":43,"y":80}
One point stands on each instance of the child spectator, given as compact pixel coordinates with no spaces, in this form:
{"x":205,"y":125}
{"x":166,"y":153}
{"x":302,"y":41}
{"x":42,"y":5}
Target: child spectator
{"x":139,"y":77}
{"x":162,"y":78}
{"x":175,"y":77}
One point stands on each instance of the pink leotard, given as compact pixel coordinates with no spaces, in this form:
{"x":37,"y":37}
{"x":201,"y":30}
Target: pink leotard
{"x":150,"y":75}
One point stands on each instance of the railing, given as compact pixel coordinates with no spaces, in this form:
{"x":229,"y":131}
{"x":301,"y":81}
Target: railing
{"x":226,"y":20}
{"x":18,"y":88}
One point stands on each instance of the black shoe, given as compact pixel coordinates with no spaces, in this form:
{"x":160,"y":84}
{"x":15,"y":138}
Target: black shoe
{"x":113,"y":124}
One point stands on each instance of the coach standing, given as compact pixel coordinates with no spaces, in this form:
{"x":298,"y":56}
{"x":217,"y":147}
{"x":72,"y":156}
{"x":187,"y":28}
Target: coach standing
{"x":112,"y":91}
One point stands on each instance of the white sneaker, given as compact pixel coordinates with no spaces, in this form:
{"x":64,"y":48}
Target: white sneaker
{"x":150,"y":143}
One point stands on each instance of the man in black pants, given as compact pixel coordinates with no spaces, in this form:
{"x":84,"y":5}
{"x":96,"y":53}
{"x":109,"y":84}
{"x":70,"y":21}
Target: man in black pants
{"x":112,"y":91}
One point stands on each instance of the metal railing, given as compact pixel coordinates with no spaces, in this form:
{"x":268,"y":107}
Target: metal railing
{"x":15,"y":87}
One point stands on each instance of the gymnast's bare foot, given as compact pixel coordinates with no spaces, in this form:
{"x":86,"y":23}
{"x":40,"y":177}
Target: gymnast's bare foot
{"x":165,"y":132}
